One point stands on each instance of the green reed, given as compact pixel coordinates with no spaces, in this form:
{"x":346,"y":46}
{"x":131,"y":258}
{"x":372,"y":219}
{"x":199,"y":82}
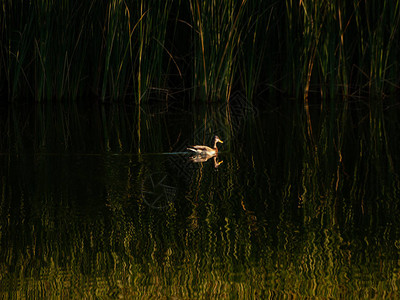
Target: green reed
{"x":382,"y":22}
{"x":60,"y":50}
{"x":343,"y":46}
{"x":253,"y":48}
{"x":217,"y":36}
{"x":119,"y":49}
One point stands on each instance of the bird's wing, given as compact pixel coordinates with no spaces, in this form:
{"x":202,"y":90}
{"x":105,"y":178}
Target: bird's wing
{"x":202,"y":148}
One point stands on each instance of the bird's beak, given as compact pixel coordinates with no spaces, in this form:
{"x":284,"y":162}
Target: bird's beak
{"x":221,"y":141}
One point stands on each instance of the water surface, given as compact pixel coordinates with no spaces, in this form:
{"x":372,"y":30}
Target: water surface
{"x":93,"y":203}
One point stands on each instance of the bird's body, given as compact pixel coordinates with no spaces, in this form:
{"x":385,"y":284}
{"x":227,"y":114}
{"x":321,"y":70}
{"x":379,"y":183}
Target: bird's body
{"x":205,"y":150}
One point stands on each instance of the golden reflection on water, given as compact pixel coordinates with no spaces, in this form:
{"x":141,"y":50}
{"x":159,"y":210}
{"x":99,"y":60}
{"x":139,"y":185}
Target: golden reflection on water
{"x":282,"y":224}
{"x":220,"y":257}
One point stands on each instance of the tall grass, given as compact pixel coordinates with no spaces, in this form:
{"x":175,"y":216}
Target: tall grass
{"x":62,"y":49}
{"x":217,"y":36}
{"x":114,"y":49}
{"x":253,"y":50}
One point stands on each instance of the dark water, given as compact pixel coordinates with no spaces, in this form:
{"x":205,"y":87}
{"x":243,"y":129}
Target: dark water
{"x":93,"y":203}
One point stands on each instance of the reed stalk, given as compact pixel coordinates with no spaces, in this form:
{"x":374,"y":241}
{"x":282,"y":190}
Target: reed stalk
{"x":131,"y":50}
{"x":216,"y":37}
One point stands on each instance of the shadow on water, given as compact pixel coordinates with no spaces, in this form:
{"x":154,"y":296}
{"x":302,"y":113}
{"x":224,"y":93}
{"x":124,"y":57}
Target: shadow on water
{"x":91,"y":204}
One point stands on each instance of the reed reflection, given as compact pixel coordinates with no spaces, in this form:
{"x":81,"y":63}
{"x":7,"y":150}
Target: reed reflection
{"x":279,"y":218}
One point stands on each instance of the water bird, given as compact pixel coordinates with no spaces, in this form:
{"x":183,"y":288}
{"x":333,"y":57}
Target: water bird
{"x":205,"y":150}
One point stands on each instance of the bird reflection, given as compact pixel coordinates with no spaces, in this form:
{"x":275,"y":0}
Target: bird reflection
{"x":200,"y":158}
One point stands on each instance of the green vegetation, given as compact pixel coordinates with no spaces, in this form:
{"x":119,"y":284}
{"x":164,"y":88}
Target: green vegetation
{"x":68,"y":50}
